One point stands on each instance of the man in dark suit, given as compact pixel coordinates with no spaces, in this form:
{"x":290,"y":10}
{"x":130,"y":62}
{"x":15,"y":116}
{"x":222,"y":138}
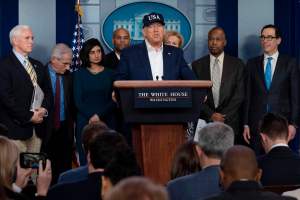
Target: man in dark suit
{"x":272,"y":85}
{"x":240,"y":175}
{"x":20,"y":76}
{"x":214,"y":139}
{"x":280,"y":165}
{"x":151,"y":60}
{"x":58,"y":142}
{"x":225,"y":98}
{"x":101,"y":151}
{"x":120,"y":40}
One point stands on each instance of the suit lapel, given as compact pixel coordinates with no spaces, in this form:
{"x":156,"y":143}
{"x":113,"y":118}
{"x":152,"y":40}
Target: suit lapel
{"x":225,"y":73}
{"x":166,"y":63}
{"x":260,"y":71}
{"x":207,"y":76}
{"x":144,"y":58}
{"x":278,"y":70}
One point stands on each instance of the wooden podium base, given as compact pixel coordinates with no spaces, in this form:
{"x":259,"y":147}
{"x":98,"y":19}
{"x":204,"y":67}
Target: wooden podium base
{"x":155,"y":146}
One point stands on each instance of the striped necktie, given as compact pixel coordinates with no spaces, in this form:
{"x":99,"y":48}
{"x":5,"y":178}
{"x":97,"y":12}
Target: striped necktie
{"x":30,"y":70}
{"x":216,"y":81}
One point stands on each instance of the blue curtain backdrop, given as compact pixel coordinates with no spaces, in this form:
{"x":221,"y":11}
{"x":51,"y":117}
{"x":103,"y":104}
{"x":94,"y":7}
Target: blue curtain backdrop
{"x":227,"y":18}
{"x":9,"y":17}
{"x":65,"y":21}
{"x":287,"y":18}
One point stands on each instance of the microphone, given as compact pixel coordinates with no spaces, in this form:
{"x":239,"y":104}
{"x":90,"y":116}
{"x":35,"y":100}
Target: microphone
{"x":157,"y":77}
{"x":162,"y":78}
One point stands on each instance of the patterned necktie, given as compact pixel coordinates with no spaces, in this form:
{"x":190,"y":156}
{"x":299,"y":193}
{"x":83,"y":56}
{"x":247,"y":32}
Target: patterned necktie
{"x":30,"y":71}
{"x":268,"y":73}
{"x":216,"y":74}
{"x":57,"y":103}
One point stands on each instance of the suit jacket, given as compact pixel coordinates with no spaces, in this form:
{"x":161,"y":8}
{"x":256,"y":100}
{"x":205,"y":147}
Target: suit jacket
{"x":88,"y":189}
{"x":247,"y":190}
{"x":231,"y":89}
{"x":281,"y":166}
{"x":283,"y":96}
{"x":197,"y":186}
{"x":74,"y":175}
{"x":16,"y":90}
{"x":135,"y":65}
{"x":111,"y":60}
{"x":70,"y":113}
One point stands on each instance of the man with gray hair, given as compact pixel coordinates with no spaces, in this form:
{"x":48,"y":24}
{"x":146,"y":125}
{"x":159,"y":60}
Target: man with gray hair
{"x":213,"y":140}
{"x":20,"y":77}
{"x":58,"y":141}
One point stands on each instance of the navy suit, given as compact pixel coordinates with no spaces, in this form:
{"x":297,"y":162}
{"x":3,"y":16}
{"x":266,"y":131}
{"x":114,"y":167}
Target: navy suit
{"x":16,"y":91}
{"x":197,"y":186}
{"x":135,"y":65}
{"x":283,"y":97}
{"x":281,"y":166}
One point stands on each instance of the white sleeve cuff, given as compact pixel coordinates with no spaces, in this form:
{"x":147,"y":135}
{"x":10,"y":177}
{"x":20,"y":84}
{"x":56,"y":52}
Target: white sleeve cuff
{"x":16,"y":188}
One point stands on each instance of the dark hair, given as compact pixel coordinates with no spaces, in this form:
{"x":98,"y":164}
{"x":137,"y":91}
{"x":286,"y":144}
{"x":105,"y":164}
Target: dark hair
{"x":216,"y":28}
{"x":123,"y":164}
{"x":3,"y":129}
{"x":277,"y":31}
{"x":85,"y":50}
{"x":103,"y":148}
{"x":274,"y":126}
{"x":90,"y":131}
{"x":185,"y":161}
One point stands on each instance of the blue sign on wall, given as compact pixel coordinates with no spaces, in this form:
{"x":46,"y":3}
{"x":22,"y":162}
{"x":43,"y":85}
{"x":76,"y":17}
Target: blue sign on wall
{"x":130,"y":17}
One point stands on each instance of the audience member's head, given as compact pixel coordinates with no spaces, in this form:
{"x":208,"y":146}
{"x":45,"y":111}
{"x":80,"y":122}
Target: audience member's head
{"x":21,"y":38}
{"x":185,"y":161}
{"x":216,"y":41}
{"x":9,"y":156}
{"x":91,"y":53}
{"x":270,"y":39}
{"x":103,"y":148}
{"x":273,"y":130}
{"x":173,"y":38}
{"x":137,"y":188}
{"x":213,"y":140}
{"x":3,"y":129}
{"x":92,"y":130}
{"x":122,"y":165}
{"x":121,"y":39}
{"x":239,"y":163}
{"x":61,"y":58}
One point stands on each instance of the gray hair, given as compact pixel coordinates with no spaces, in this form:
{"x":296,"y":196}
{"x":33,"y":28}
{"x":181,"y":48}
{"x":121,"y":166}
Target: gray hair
{"x":215,"y":138}
{"x":16,"y":31}
{"x":59,"y":50}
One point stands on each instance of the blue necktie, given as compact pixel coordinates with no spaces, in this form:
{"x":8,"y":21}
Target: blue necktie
{"x":268,"y":73}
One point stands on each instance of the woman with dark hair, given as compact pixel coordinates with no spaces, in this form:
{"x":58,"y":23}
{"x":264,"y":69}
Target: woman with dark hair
{"x":93,"y":87}
{"x":185,"y":161}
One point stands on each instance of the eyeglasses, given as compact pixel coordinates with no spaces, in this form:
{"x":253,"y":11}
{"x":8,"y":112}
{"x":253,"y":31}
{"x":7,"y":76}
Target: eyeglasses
{"x":267,"y":38}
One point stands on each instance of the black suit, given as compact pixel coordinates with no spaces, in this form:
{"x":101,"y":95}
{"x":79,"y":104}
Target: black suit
{"x":282,"y":98}
{"x":88,"y":189}
{"x":247,"y":190}
{"x":281,"y":166}
{"x":231,"y":90}
{"x":58,"y":143}
{"x":111,"y":60}
{"x":16,"y":91}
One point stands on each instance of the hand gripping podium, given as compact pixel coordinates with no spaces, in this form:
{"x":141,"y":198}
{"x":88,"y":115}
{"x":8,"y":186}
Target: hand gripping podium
{"x":158,"y":112}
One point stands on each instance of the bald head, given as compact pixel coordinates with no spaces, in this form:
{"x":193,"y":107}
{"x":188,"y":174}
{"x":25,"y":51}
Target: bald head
{"x":239,"y":163}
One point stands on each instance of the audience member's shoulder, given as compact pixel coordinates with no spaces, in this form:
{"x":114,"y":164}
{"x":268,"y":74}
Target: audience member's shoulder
{"x":183,"y":179}
{"x":74,"y":175}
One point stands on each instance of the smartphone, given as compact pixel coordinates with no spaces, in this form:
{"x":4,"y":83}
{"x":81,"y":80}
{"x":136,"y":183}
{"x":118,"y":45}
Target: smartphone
{"x":31,"y":160}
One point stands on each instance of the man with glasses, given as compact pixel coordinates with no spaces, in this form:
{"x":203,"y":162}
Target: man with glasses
{"x":58,"y":141}
{"x":272,"y":86}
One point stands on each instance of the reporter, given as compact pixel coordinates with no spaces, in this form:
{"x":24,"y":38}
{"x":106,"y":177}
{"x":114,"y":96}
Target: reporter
{"x":14,"y":178}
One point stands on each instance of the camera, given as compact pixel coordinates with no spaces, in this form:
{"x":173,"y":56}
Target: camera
{"x":31,"y":160}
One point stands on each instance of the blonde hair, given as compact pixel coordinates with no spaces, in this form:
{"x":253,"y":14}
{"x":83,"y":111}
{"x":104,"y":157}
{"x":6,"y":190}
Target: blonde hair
{"x":176,"y":34}
{"x":9,"y":156}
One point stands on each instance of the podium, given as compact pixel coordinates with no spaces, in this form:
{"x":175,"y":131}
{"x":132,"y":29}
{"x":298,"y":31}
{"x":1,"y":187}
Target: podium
{"x":158,"y":112}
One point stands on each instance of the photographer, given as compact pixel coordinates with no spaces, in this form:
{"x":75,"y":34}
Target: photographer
{"x":14,"y":178}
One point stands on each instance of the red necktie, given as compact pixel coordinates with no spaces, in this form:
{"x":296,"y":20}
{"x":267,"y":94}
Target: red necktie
{"x":57,"y":103}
